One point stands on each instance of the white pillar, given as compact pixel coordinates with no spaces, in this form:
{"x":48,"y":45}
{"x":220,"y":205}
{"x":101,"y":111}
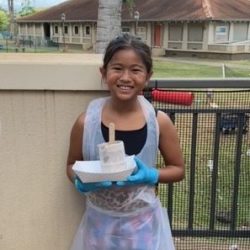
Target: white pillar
{"x":205,"y":36}
{"x":166,"y":35}
{"x":70,"y":32}
{"x":93,"y":35}
{"x":18,"y":30}
{"x":149,"y":33}
{"x":211,"y":33}
{"x":248,"y":32}
{"x":34,"y":30}
{"x":81,"y":32}
{"x":26,"y":30}
{"x":231,"y":32}
{"x":185,"y":36}
{"x":42,"y":32}
{"x":51,"y":30}
{"x":60,"y":32}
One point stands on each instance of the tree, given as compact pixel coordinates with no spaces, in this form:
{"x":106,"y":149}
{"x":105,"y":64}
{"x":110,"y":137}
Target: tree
{"x":11,"y":15}
{"x":26,"y":9}
{"x":11,"y":7}
{"x":4,"y":22}
{"x":109,"y":21}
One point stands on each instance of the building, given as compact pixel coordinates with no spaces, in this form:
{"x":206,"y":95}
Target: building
{"x":204,"y":28}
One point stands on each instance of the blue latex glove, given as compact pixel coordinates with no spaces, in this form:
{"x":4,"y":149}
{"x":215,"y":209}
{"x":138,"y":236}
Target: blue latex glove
{"x":90,"y":187}
{"x":143,"y":175}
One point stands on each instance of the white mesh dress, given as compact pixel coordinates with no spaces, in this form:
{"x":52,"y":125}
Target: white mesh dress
{"x":127,"y":218}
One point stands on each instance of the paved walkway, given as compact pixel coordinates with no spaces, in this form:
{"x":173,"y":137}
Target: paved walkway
{"x":97,"y":58}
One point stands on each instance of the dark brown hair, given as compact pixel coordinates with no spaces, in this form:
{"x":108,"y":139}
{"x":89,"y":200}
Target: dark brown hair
{"x":127,"y":41}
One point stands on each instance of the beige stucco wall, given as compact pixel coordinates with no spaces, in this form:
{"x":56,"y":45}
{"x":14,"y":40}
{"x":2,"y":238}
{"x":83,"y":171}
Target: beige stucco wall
{"x":40,"y":97}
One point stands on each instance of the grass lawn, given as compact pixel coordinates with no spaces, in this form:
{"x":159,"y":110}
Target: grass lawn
{"x":165,"y":69}
{"x":168,"y":69}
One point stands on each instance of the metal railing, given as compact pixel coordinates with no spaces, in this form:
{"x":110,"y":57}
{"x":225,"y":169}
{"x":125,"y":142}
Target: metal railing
{"x":210,"y":208}
{"x":30,"y":44}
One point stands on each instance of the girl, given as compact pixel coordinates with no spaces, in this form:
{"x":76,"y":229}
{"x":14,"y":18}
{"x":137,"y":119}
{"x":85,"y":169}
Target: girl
{"x":126,"y":215}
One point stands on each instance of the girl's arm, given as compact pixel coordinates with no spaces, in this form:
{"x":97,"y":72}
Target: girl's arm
{"x":169,"y":146}
{"x":75,"y":147}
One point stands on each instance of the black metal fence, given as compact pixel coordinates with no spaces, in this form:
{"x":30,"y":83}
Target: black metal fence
{"x":29,"y":44}
{"x":210,"y":209}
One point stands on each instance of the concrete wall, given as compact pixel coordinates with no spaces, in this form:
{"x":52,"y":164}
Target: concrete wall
{"x":40,"y":98}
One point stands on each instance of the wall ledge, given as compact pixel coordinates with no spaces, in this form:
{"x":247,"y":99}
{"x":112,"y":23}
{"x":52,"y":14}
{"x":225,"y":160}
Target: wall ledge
{"x":36,"y":71}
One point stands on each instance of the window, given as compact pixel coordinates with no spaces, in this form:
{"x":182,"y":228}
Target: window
{"x":76,"y":30}
{"x":86,"y":30}
{"x":195,"y":32}
{"x":221,"y":33}
{"x":142,"y":32}
{"x":66,"y":30}
{"x":175,"y":32}
{"x":240,"y":32}
{"x":125,"y":30}
{"x":56,"y":29}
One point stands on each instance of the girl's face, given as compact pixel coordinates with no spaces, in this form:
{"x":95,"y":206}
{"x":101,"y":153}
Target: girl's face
{"x":126,"y":74}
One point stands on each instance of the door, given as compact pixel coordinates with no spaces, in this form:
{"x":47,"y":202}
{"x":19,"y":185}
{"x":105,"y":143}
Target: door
{"x":46,"y":28}
{"x":157,"y":35}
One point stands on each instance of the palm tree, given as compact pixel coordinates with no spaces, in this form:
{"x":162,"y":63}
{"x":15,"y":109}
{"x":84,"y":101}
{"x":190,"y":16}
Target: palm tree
{"x":11,"y":15}
{"x":109,"y":21}
{"x":11,"y":7}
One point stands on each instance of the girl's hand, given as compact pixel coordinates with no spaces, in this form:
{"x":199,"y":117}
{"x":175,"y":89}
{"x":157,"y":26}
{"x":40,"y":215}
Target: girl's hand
{"x":143,"y":175}
{"x":90,"y":187}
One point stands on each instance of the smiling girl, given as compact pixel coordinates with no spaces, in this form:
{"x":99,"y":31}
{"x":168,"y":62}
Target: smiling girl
{"x":126,"y":214}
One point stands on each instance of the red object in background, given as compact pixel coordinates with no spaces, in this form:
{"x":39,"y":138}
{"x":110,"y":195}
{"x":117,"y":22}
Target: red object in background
{"x":181,"y":98}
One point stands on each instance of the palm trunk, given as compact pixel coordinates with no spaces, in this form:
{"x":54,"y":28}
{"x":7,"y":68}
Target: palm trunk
{"x":108,"y":23}
{"x":11,"y":15}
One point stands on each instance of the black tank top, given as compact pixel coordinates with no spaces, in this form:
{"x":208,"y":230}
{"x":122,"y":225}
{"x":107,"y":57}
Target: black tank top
{"x":133,"y":140}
